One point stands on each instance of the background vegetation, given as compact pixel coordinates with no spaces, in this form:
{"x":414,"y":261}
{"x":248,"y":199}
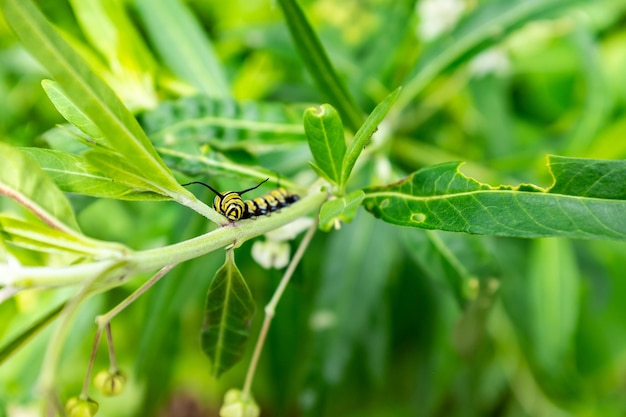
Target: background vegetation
{"x":379,"y":320}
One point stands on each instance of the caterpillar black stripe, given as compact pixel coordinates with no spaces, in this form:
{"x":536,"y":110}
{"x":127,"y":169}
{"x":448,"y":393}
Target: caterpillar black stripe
{"x":230,"y":204}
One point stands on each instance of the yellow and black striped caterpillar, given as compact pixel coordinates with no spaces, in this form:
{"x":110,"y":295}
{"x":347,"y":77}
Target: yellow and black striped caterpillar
{"x":230,"y":204}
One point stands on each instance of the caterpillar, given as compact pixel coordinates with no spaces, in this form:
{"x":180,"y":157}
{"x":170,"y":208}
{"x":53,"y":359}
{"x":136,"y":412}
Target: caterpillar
{"x":230,"y":204}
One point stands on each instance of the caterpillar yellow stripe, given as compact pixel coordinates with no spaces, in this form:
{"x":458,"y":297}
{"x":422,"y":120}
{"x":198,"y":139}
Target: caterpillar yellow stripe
{"x":230,"y":204}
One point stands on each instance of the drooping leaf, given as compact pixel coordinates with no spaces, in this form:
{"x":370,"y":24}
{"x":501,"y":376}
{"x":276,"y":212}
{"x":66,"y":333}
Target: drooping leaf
{"x":340,"y":210}
{"x":587,"y":200}
{"x":75,"y":174}
{"x":325,"y":135}
{"x":364,"y":134}
{"x":183,"y":45}
{"x":22,"y":180}
{"x":316,"y":60}
{"x":88,"y":92}
{"x":229,"y":309}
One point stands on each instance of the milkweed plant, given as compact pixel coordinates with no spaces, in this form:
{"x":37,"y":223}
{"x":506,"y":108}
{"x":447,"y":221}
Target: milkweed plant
{"x":431,"y":208}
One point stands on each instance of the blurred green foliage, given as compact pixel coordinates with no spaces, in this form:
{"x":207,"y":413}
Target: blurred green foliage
{"x":378,"y":320}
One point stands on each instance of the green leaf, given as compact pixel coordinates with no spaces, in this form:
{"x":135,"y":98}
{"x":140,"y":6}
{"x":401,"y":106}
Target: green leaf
{"x":88,"y":92}
{"x":316,"y":60}
{"x":472,"y":35}
{"x":553,"y":284}
{"x":341,"y":209}
{"x":183,"y":45}
{"x":229,"y":309}
{"x":22,"y":180}
{"x":119,"y":169}
{"x":12,"y":346}
{"x":222,"y":124}
{"x":325,"y":135}
{"x":68,"y":110}
{"x":364,"y":134}
{"x":38,"y":237}
{"x":344,"y":308}
{"x":587,"y":200}
{"x":75,"y":174}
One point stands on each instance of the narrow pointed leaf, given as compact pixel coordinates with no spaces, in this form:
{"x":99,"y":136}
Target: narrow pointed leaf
{"x":22,"y":180}
{"x":183,"y":44}
{"x":587,"y":200}
{"x":364,"y":134}
{"x":82,"y":87}
{"x":69,"y":110}
{"x":11,"y":346}
{"x":324,"y":132}
{"x":229,"y":309}
{"x":316,"y":60}
{"x":73,"y":173}
{"x":38,"y":237}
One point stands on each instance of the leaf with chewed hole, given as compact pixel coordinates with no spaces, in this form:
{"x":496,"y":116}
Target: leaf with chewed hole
{"x":229,"y":309}
{"x":587,"y":200}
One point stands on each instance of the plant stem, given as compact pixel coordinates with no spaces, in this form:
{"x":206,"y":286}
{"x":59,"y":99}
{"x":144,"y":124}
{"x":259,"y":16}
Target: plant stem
{"x":84,"y":394}
{"x":113,"y":362}
{"x":270,"y":308}
{"x":105,"y":319}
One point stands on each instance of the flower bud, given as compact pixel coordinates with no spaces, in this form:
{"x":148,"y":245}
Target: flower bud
{"x":110,"y":383}
{"x":78,"y":407}
{"x":236,"y":406}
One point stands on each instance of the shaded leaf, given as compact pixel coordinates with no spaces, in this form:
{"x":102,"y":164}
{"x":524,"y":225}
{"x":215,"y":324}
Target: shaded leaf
{"x":553,"y":284}
{"x":229,"y":309}
{"x":341,"y":209}
{"x":325,"y":135}
{"x":472,"y":35}
{"x":223,"y":124}
{"x":441,"y":197}
{"x":316,"y":60}
{"x":22,"y":180}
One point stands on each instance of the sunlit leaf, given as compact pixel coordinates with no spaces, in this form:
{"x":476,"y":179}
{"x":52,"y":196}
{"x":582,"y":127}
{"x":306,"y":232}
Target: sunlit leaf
{"x":587,"y":200}
{"x":184,"y":45}
{"x":229,"y":309}
{"x":11,"y":346}
{"x":364,"y":134}
{"x":74,"y":173}
{"x":325,"y":135}
{"x":83,"y":88}
{"x":22,"y":180}
{"x":68,"y":110}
